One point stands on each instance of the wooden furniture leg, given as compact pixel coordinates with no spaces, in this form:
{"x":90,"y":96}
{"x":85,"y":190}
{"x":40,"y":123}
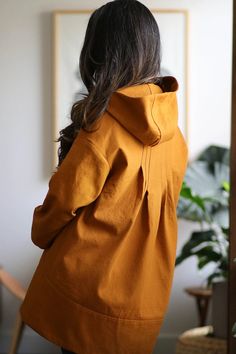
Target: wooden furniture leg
{"x":202,"y":297}
{"x":202,"y":306}
{"x":17,"y":334}
{"x":19,"y":292}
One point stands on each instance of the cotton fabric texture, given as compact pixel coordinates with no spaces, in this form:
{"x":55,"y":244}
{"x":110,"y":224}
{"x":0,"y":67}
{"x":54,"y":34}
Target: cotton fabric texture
{"x":108,"y":228}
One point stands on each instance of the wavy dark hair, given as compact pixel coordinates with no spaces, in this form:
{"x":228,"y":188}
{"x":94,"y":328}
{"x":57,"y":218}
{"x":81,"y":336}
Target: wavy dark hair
{"x":121,"y":48}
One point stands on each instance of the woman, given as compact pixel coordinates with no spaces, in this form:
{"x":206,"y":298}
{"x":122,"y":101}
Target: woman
{"x":108,"y":223}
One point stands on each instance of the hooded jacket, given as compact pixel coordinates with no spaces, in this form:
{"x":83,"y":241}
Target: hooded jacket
{"x":108,"y":228}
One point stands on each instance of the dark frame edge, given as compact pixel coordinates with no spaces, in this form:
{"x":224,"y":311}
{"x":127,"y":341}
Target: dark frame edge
{"x":231,"y":348}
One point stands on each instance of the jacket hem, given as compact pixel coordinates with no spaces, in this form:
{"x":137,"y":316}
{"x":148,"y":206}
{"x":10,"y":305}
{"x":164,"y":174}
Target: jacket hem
{"x":47,"y":311}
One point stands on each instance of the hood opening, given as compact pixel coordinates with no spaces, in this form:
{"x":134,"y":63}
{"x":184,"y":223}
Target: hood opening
{"x":148,"y":111}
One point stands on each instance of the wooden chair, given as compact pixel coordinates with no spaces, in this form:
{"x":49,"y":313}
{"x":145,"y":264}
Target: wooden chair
{"x":18,"y":291}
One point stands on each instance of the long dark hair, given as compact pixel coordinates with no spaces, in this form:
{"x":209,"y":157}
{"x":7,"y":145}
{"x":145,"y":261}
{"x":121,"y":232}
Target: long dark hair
{"x":121,"y":48}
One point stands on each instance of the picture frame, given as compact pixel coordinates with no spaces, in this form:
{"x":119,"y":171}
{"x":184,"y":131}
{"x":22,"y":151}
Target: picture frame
{"x":69,"y":28}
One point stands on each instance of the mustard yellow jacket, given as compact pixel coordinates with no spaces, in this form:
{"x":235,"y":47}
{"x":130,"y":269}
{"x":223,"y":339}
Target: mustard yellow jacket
{"x":108,"y":228}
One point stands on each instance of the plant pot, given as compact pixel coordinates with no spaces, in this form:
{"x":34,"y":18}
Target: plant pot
{"x":220,"y":308}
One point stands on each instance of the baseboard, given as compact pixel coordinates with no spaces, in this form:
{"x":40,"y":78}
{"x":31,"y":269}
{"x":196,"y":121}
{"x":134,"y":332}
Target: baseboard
{"x":32,"y":343}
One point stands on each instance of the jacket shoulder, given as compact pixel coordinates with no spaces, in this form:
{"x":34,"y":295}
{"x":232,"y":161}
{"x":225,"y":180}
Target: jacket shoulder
{"x":108,"y":135}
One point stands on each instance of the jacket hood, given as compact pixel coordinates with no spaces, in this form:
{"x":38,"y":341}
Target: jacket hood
{"x":148,"y":111}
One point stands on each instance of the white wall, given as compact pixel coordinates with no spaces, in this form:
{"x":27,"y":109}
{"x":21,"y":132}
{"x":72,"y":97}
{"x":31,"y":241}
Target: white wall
{"x":26,"y":148}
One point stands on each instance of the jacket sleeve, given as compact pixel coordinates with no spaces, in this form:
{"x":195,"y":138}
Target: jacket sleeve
{"x":77,"y":182}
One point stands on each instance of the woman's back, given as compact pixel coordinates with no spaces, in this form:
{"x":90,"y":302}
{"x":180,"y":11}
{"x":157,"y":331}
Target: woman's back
{"x":110,"y":269}
{"x":108,"y":222}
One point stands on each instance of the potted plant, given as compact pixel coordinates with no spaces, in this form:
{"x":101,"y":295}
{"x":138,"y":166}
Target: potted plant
{"x":204,"y":200}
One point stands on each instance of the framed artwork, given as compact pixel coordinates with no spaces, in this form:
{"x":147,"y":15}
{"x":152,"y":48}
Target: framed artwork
{"x":69,"y":28}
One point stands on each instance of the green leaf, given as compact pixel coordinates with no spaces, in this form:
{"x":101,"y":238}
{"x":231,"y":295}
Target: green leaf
{"x":226,"y":186}
{"x":224,"y":264}
{"x":209,"y":252}
{"x":187,"y":193}
{"x":225,"y":231}
{"x":234,"y":330}
{"x":202,"y":261}
{"x":197,"y":238}
{"x":180,"y":259}
{"x":198,"y":245}
{"x":206,"y":235}
{"x":213,"y":276}
{"x":215,"y":153}
{"x":190,"y":211}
